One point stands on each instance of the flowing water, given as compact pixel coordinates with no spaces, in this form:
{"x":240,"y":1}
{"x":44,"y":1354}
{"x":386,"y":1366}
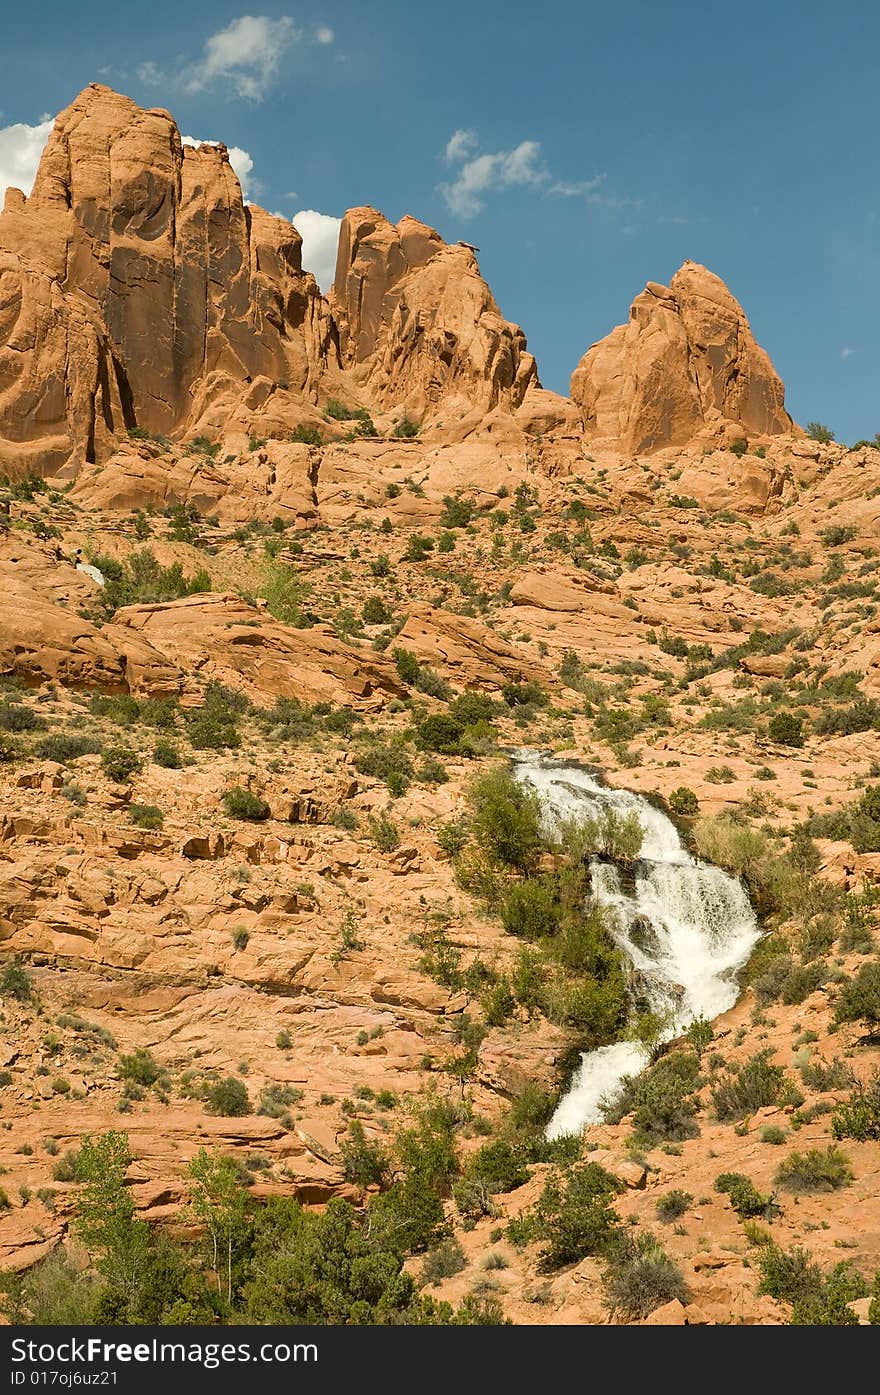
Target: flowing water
{"x":685,"y":926}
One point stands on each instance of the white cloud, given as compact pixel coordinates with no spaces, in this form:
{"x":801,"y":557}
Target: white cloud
{"x":243,"y":58}
{"x":324,"y":34}
{"x":459,"y":146}
{"x":481,"y":174}
{"x":320,"y":235}
{"x":20,"y":149}
{"x":239,"y":159}
{"x":846,"y":351}
{"x":566,"y":189}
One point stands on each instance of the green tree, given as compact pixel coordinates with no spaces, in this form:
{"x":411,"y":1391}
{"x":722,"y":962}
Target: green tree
{"x":220,"y":1204}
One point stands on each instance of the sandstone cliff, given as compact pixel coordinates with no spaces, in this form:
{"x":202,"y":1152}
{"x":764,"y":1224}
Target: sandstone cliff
{"x":685,"y":365}
{"x":136,"y":289}
{"x":417,"y":322}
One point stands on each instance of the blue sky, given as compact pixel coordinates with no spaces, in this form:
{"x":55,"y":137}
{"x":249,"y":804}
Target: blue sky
{"x":598,"y":146}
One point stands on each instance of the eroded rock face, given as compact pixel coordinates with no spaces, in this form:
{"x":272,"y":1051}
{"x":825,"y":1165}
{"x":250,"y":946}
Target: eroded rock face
{"x":686,"y":365}
{"x":417,"y":322}
{"x":136,"y":289}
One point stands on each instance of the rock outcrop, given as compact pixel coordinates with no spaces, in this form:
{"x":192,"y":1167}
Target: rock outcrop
{"x":137,"y":290}
{"x":686,"y":365}
{"x":417,"y":323}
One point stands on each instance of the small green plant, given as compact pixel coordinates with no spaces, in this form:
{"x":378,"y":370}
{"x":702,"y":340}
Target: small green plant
{"x":244,"y":804}
{"x":167,"y":754}
{"x":228,"y":1097}
{"x":786,"y":729}
{"x":119,"y":763}
{"x":817,"y":1170}
{"x":146,"y":815}
{"x":306,"y":435}
{"x":672,"y":1205}
{"x":684,"y":802}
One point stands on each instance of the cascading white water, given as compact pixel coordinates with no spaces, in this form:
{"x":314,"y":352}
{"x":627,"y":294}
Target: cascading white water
{"x":686,"y":927}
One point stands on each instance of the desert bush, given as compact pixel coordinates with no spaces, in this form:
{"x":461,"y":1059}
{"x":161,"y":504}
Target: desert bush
{"x":640,"y":1278}
{"x":384,"y":832}
{"x":16,"y":717}
{"x":244,"y":804}
{"x":16,"y":983}
{"x":859,"y":1116}
{"x":531,"y":909}
{"x":859,"y":999}
{"x":442,"y":1262}
{"x":817,"y":1170}
{"x":786,"y":729}
{"x":745,"y":1199}
{"x":167,"y":755}
{"x":306,"y":435}
{"x":63,"y":747}
{"x":660,"y":1099}
{"x":146,"y":815}
{"x":228,"y":1097}
{"x":363,"y":1162}
{"x":505,"y":820}
{"x":673,"y":1205}
{"x":684,"y":802}
{"x":139,"y":1068}
{"x":756,"y":1084}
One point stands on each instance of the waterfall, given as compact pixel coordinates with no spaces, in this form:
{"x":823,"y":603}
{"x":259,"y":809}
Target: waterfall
{"x":685,"y":926}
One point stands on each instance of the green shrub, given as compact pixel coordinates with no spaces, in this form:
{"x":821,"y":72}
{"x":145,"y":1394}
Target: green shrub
{"x":829,"y":1307}
{"x":139,"y":1068}
{"x":442,"y":1262}
{"x":574,"y":1217}
{"x":531,"y":909}
{"x":684,"y":802}
{"x":757,"y":1084}
{"x":405,"y":429}
{"x":817,"y":1170}
{"x":146,"y":815}
{"x":15,"y":983}
{"x":384,"y":832}
{"x":745,"y":1199}
{"x":407,"y":665}
{"x":167,"y":754}
{"x":363,"y":1162}
{"x":506,"y":820}
{"x":65,"y":748}
{"x":375,"y":611}
{"x":660,"y":1099}
{"x":640,"y":1278}
{"x":859,"y":1116}
{"x":672,"y":1205}
{"x":244,"y":804}
{"x":786,"y":729}
{"x":772,"y":1133}
{"x":386,"y":761}
{"x":240,"y":938}
{"x":306,"y":435}
{"x":457,"y":513}
{"x":15,"y":717}
{"x":859,"y":999}
{"x":440,"y":732}
{"x":228,"y":1097}
{"x":788,"y":1275}
{"x":817,"y":431}
{"x":119,"y":763}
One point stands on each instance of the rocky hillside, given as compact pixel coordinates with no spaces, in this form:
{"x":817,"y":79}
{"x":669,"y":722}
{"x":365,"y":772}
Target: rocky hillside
{"x":286,"y":579}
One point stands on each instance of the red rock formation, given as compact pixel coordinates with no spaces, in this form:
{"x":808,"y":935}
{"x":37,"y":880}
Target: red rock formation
{"x":136,"y":289}
{"x":417,"y":322}
{"x":685,"y":365}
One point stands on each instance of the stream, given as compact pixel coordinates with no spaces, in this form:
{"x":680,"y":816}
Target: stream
{"x":685,"y":926}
